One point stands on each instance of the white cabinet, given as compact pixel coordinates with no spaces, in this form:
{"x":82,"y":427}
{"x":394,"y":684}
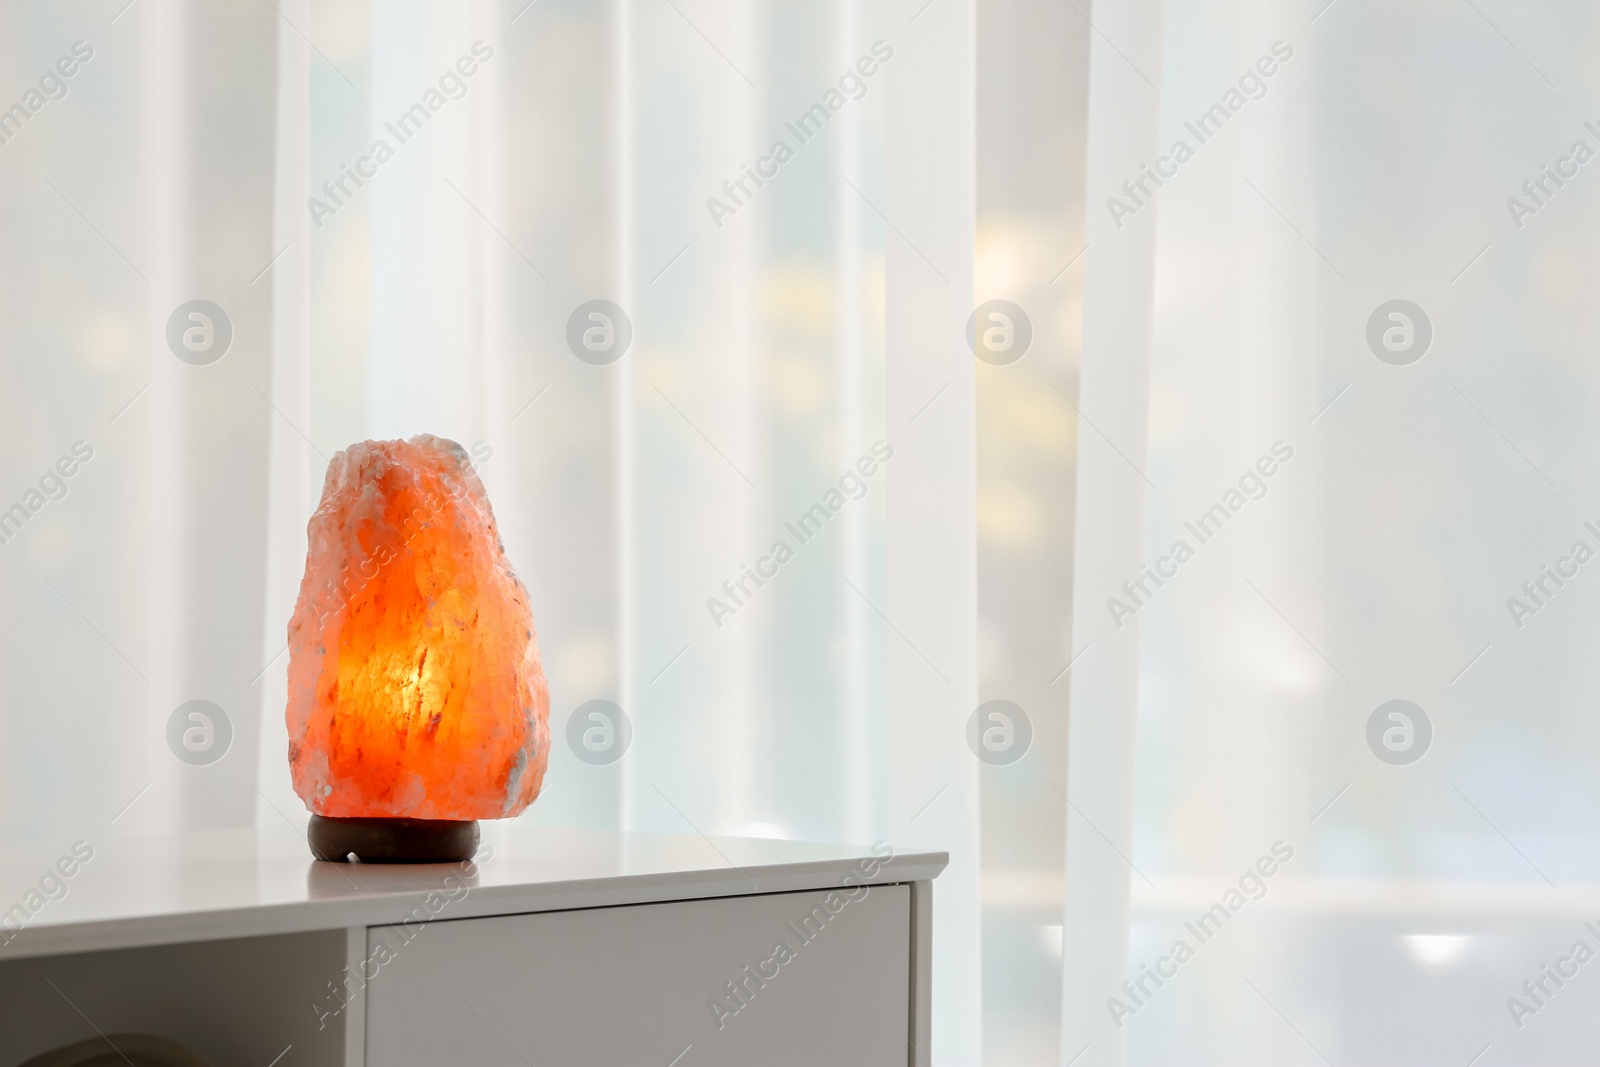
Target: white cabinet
{"x":567,"y":947}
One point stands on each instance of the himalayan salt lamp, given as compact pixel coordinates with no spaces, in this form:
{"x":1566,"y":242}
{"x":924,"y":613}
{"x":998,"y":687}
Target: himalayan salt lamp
{"x":417,"y":704}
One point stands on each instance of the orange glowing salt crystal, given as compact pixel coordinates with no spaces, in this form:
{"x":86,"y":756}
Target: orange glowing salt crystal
{"x":415,"y":689}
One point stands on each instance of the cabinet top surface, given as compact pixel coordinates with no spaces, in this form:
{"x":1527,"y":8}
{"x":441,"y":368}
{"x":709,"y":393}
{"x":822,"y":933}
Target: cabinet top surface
{"x":242,"y":883}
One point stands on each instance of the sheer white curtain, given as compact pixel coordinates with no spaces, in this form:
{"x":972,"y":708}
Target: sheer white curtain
{"x":1346,"y":885}
{"x":136,"y":162}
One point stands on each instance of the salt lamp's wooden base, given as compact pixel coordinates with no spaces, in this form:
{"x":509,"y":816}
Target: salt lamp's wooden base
{"x":392,"y":840}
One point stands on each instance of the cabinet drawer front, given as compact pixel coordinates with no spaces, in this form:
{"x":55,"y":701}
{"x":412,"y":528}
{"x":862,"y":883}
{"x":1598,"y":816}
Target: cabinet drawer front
{"x":785,"y":978}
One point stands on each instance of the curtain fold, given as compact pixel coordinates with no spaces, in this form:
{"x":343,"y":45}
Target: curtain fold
{"x":1124,"y":125}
